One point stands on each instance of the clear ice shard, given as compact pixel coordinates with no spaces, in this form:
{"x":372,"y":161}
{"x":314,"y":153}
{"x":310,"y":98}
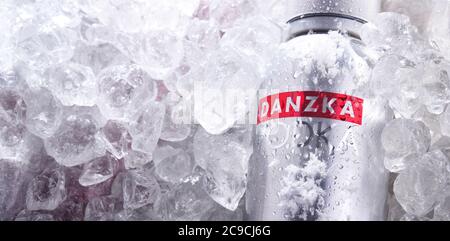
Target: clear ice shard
{"x":219,"y":213}
{"x":391,"y":33}
{"x":176,"y":125}
{"x":99,"y":57}
{"x":73,"y":84}
{"x":418,"y":11}
{"x":226,"y":13}
{"x":136,"y":159}
{"x":218,"y":95}
{"x":98,"y":170}
{"x":396,"y":211}
{"x":122,"y":89}
{"x":44,"y":112}
{"x":102,"y":208}
{"x":436,"y":86}
{"x":117,"y":138}
{"x":76,"y":140}
{"x":442,"y":210}
{"x":186,"y":201}
{"x":256,"y":37}
{"x":16,"y":143}
{"x":100,"y":101}
{"x":146,"y":126}
{"x":175,"y":167}
{"x":41,"y":46}
{"x":225,"y":161}
{"x":47,"y":190}
{"x":160,"y":52}
{"x":139,"y":188}
{"x":403,"y":139}
{"x":419,"y":187}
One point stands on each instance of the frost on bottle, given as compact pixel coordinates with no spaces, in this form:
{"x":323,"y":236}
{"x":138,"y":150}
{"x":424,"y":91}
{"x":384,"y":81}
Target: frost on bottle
{"x":318,"y":152}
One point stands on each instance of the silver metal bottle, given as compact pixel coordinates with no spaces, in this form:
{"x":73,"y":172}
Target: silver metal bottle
{"x":318,"y":161}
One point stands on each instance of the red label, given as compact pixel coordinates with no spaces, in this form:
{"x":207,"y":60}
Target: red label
{"x":311,"y":104}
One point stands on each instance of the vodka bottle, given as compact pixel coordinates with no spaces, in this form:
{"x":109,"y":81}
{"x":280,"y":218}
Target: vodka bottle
{"x":318,"y":152}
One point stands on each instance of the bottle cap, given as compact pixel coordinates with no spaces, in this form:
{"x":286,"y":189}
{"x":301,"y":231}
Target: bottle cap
{"x":326,"y":15}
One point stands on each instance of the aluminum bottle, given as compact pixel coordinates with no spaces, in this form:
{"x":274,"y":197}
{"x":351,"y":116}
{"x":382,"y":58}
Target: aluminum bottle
{"x":317,"y":151}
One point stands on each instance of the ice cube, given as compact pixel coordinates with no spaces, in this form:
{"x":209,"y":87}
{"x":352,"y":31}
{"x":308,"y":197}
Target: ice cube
{"x":39,"y":161}
{"x":418,"y":11}
{"x":160,"y":52}
{"x":41,"y":46}
{"x":72,"y":209}
{"x":117,"y":138}
{"x":146,"y":126}
{"x":403,"y":137}
{"x":254,"y":37}
{"x":175,"y":167}
{"x":73,"y":84}
{"x":203,"y":34}
{"x":392,"y":33}
{"x":99,"y":57}
{"x":404,"y":100}
{"x":98,"y":170}
{"x":442,"y":210}
{"x":219,"y":213}
{"x":13,"y":132}
{"x":9,"y":79}
{"x":431,"y":121}
{"x":76,"y":140}
{"x":396,"y":211}
{"x":102,"y":208}
{"x":136,"y":159}
{"x":16,"y":143}
{"x":177,"y":121}
{"x":44,"y":112}
{"x":139,"y":189}
{"x":145,"y":213}
{"x":226,"y":13}
{"x":47,"y":190}
{"x":436,"y":86}
{"x":385,"y":69}
{"x":225,"y":161}
{"x":223,"y":96}
{"x":123,"y":89}
{"x":186,"y":201}
{"x":419,"y":187}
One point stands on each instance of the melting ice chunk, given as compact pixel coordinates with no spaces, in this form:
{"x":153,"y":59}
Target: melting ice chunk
{"x":75,"y":141}
{"x":73,"y":84}
{"x":123,"y":89}
{"x":225,"y":160}
{"x":145,"y":127}
{"x":185,"y":202}
{"x":44,"y":113}
{"x":403,"y":137}
{"x":47,"y":190}
{"x":98,"y":170}
{"x":176,"y":167}
{"x":419,"y":187}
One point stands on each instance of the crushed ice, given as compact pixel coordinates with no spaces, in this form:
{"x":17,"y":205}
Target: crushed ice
{"x":102,"y":114}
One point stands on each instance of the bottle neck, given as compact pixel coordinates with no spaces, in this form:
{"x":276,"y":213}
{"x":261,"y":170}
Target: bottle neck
{"x":320,"y":23}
